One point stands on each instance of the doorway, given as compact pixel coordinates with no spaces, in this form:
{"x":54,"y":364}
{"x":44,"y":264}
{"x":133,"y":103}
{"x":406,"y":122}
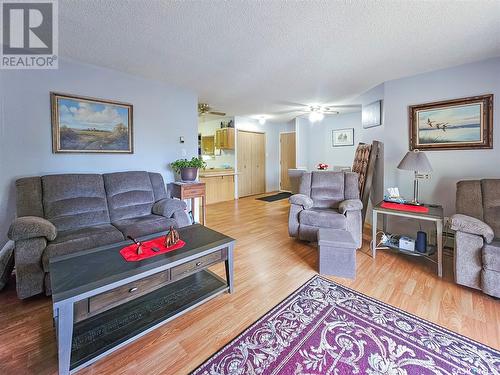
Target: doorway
{"x":287,"y":159}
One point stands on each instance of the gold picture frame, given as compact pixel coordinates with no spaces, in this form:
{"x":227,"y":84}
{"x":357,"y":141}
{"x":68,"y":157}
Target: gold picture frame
{"x":83,"y":124}
{"x":458,"y":124}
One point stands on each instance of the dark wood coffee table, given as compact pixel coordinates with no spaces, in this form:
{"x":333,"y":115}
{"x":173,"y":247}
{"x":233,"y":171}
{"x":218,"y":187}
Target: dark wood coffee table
{"x":101,"y":302}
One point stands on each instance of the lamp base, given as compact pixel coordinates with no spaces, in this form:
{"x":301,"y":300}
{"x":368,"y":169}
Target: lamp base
{"x":414,"y":203}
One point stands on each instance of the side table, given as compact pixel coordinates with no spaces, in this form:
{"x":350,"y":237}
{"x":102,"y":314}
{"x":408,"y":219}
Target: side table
{"x":435,"y":214}
{"x":190,"y":190}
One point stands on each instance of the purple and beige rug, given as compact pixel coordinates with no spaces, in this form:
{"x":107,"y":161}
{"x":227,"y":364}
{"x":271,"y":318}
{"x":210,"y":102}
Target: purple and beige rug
{"x":325,"y":328}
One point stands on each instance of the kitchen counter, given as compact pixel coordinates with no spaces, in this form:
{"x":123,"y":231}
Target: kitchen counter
{"x":219,"y":184}
{"x":217,"y":172}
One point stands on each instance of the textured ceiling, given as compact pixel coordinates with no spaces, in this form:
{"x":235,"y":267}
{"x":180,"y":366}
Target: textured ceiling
{"x":253,"y":57}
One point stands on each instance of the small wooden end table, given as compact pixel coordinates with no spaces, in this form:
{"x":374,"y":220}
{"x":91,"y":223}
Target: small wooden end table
{"x":191,"y":190}
{"x":435,"y":214}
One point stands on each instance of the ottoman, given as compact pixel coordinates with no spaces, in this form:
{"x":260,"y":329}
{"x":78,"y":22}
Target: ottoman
{"x":337,"y":253}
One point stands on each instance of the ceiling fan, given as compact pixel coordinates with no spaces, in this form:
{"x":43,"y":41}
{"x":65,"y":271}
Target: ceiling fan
{"x":205,"y":109}
{"x":317,"y":111}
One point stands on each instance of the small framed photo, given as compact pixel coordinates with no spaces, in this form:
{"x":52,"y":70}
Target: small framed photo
{"x":343,"y":137}
{"x":89,"y":125}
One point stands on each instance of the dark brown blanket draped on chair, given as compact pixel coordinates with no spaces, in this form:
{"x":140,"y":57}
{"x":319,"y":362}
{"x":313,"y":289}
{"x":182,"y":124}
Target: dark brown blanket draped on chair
{"x":364,"y":165}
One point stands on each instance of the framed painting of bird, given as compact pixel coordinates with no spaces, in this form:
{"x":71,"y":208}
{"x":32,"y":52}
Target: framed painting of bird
{"x":458,"y":124}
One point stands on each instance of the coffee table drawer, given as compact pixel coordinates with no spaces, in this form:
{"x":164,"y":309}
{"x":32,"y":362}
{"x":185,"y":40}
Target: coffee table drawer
{"x":88,"y":307}
{"x":198,"y":264}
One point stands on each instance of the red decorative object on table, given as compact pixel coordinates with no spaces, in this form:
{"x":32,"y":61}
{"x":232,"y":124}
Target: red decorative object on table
{"x":404,"y":207}
{"x":130,"y":254}
{"x":322,"y":167}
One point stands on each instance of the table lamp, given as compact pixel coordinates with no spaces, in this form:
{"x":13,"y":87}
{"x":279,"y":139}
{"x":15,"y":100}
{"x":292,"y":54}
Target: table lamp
{"x":416,"y":161}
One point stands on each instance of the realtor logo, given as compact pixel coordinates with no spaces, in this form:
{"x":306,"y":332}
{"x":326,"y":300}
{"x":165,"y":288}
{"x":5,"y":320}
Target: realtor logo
{"x":29,"y":34}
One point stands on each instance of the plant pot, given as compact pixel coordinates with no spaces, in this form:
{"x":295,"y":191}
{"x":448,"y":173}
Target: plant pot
{"x":189,"y":174}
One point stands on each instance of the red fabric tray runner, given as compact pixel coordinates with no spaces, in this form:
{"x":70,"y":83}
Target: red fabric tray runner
{"x":129,"y":253}
{"x":404,"y":207}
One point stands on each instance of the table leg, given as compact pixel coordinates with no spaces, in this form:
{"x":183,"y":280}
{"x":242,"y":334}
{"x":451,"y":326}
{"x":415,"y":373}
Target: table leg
{"x":374,"y":234}
{"x":193,"y":209}
{"x":439,"y":229}
{"x":203,"y":208}
{"x":229,"y":268}
{"x":64,"y":336}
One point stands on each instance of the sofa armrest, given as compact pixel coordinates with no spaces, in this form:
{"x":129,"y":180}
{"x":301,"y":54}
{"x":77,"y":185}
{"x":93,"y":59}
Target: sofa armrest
{"x":350,"y":205}
{"x":26,"y":227}
{"x":471,"y":225}
{"x":301,"y":200}
{"x":166,"y":207}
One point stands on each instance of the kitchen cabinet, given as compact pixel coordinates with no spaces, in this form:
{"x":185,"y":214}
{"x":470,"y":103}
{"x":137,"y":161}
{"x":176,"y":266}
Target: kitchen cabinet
{"x":224,"y":139}
{"x":208,"y":145}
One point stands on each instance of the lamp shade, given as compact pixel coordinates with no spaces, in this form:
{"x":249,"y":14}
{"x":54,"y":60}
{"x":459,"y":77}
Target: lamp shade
{"x":415,"y":161}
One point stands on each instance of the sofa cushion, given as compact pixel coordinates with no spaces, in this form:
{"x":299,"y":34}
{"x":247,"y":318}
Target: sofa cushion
{"x":491,"y":255}
{"x":158,"y":186}
{"x":72,"y":201}
{"x":323,"y":218}
{"x":29,"y":197}
{"x":130,"y":194}
{"x":327,"y":189}
{"x":72,"y":241}
{"x":491,"y":204}
{"x":143,"y":225}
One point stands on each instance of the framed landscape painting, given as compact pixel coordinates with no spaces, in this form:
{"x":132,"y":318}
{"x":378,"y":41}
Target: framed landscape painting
{"x":465,"y":123}
{"x":343,"y":137}
{"x":88,"y":125}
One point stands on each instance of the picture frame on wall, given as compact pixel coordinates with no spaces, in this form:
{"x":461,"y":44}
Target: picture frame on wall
{"x":89,"y":125}
{"x":458,"y":124}
{"x":343,"y":137}
{"x":371,"y":114}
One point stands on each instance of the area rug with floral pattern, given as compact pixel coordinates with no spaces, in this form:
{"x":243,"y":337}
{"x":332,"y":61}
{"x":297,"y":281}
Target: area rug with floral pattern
{"x":325,"y":328}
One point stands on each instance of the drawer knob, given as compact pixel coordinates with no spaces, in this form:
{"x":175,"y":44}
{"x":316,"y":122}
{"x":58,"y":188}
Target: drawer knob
{"x":132,"y":290}
{"x":199,"y":264}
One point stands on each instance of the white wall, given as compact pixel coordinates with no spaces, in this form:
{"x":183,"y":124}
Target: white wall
{"x":162,"y":113}
{"x":449,"y":166}
{"x":302,"y":132}
{"x":321,"y":149}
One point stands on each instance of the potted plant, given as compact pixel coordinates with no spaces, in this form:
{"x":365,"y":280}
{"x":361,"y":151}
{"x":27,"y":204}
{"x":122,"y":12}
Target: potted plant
{"x":188,"y":169}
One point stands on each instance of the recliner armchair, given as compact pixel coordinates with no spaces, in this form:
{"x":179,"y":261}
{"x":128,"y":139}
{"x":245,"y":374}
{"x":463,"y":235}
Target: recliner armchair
{"x":326,"y":200}
{"x":477,"y":237}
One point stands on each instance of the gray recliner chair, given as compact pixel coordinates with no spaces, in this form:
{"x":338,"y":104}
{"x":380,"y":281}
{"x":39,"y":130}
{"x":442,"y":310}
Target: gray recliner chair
{"x":477,"y":237}
{"x":326,"y":200}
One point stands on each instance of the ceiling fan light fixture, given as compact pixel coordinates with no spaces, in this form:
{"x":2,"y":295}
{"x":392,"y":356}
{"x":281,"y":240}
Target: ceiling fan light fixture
{"x":262,"y":119}
{"x":316,"y":115}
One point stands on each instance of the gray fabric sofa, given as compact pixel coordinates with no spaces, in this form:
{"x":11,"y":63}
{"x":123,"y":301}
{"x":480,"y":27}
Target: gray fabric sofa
{"x":477,"y":237}
{"x":67,"y":213}
{"x":326,"y":200}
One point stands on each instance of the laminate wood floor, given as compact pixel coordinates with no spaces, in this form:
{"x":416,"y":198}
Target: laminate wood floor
{"x":268,"y":267}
